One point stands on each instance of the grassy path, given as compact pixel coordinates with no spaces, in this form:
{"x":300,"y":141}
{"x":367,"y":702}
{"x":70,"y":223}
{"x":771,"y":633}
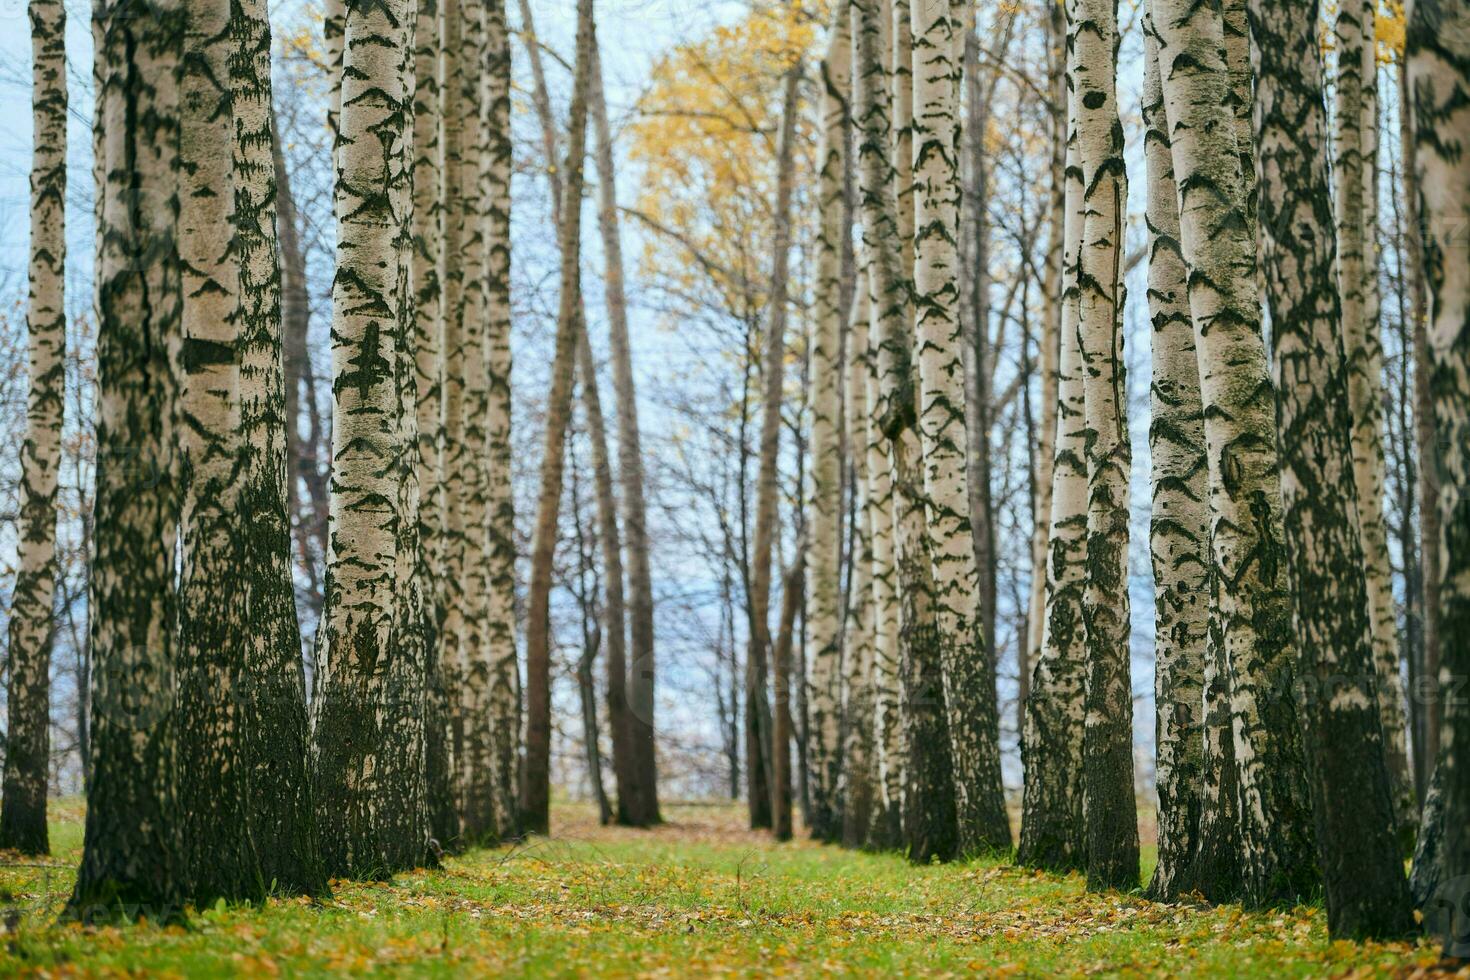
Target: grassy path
{"x":701,"y":897}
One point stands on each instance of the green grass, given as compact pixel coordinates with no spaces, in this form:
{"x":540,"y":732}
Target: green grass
{"x":699,"y":897}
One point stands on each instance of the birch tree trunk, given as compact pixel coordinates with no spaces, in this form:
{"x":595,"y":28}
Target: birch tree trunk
{"x":130,"y":852}
{"x":1052,"y":829}
{"x":587,"y":693}
{"x":863,"y":808}
{"x":1429,"y":536}
{"x":887,"y":829}
{"x":1049,"y":345}
{"x":334,"y":26}
{"x":585,"y":590}
{"x":1424,"y":704}
{"x":453,"y":593}
{"x":213,"y":780}
{"x":429,"y":366}
{"x":407,"y":824}
{"x":1217,"y":869}
{"x":1251,"y":589}
{"x":607,"y":524}
{"x":1235,"y":21}
{"x":500,"y":555}
{"x":1179,"y":544}
{"x":536,"y":785}
{"x":474,"y":759}
{"x":1355,"y":216}
{"x":369,"y":782}
{"x":1107,"y":753}
{"x":929,"y":819}
{"x":305,"y":480}
{"x":824,"y":553}
{"x":793,"y":598}
{"x":899,"y":52}
{"x":968,"y":669}
{"x":1357,"y":849}
{"x":975,"y":250}
{"x":277,"y":748}
{"x":888,"y":738}
{"x":1438,"y":60}
{"x":28,"y":690}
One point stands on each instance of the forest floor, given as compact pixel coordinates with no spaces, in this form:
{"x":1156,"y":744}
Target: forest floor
{"x":701,"y":896}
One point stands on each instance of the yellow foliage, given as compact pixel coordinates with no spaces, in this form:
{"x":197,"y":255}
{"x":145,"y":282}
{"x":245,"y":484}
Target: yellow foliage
{"x":705,"y":138}
{"x":1390,"y":31}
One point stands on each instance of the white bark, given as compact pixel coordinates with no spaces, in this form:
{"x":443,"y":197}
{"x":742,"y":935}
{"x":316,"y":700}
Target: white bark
{"x":1179,"y":544}
{"x":1051,"y":822}
{"x":969,"y":671}
{"x":500,"y":619}
{"x":1108,"y":798}
{"x":27,"y":749}
{"x":824,"y":549}
{"x":369,"y":809}
{"x":1245,"y":488}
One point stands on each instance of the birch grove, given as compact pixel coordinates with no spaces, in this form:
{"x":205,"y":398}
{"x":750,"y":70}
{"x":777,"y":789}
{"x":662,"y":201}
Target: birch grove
{"x":826,"y":441}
